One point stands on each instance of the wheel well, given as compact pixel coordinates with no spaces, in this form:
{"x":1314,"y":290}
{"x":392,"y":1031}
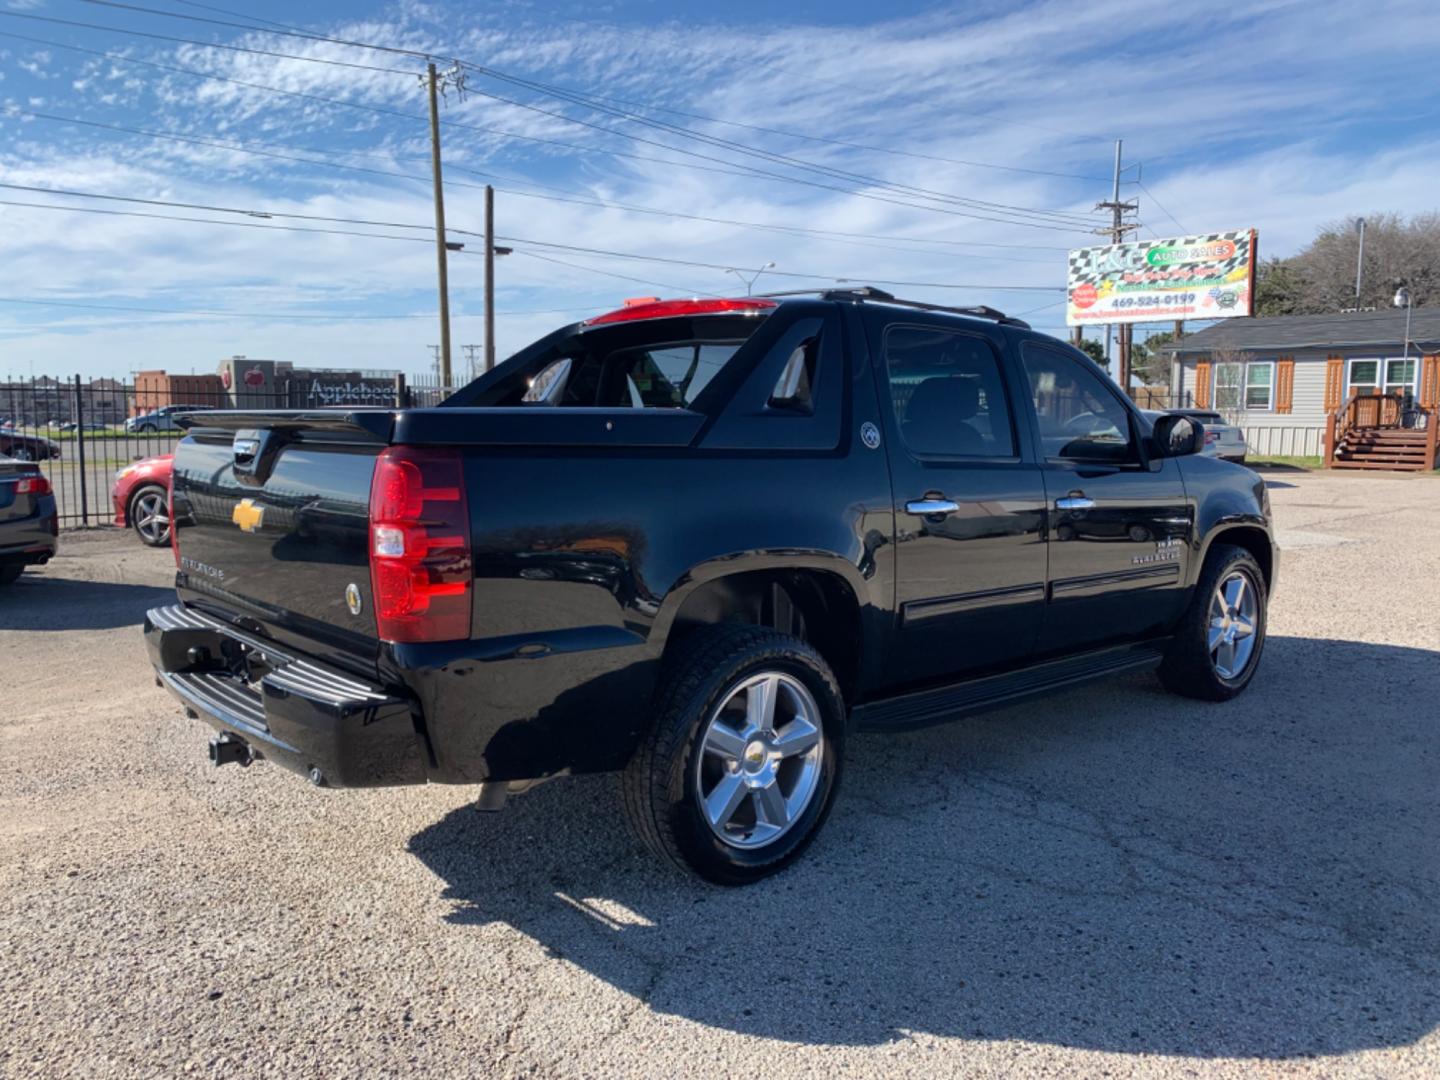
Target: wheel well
{"x":813,"y":605}
{"x":1254,"y":541}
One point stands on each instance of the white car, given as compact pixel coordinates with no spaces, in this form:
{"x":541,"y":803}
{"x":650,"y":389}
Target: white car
{"x":1222,"y":440}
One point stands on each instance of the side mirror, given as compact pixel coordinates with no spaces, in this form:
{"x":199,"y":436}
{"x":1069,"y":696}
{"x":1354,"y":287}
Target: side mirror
{"x":1177,"y":436}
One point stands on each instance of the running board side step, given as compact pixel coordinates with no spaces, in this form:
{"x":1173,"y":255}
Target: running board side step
{"x":925,"y":707}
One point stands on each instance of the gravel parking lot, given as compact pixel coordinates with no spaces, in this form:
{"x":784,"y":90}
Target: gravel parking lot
{"x":1112,"y":882}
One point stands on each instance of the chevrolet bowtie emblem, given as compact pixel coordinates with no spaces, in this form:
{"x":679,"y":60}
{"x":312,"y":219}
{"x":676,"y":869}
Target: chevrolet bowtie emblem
{"x":247,"y":515}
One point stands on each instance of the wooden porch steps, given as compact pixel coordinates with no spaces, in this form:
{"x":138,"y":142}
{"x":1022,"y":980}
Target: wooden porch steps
{"x":1393,"y":449}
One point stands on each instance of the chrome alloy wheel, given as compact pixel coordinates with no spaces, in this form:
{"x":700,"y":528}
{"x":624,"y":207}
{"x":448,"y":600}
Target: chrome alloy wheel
{"x":1233,"y":615}
{"x":759,"y":761}
{"x":152,"y":517}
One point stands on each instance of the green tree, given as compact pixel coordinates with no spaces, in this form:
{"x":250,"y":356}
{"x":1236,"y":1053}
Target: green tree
{"x":1279,"y":288}
{"x":1095,"y":351}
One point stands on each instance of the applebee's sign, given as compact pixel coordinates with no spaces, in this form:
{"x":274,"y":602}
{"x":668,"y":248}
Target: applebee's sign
{"x":318,"y":392}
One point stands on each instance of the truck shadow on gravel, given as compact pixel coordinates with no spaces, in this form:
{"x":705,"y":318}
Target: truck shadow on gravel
{"x":44,"y":602}
{"x":1113,"y":869}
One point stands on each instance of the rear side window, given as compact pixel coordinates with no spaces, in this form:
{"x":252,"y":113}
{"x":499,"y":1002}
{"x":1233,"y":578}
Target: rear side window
{"x":947,"y":392}
{"x":647,"y":364}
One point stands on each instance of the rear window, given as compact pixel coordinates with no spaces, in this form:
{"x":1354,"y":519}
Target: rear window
{"x":651,"y":364}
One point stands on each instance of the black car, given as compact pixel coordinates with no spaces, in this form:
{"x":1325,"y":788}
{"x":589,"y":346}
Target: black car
{"x":698,"y":543}
{"x":29,"y":525}
{"x":27,"y":446}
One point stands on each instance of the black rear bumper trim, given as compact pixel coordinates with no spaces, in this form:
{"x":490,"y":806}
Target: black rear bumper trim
{"x":299,"y":713}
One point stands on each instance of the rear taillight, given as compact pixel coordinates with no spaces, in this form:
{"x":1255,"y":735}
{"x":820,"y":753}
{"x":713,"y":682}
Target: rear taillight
{"x":1211,"y":437}
{"x":32,"y":485}
{"x":420,"y":566}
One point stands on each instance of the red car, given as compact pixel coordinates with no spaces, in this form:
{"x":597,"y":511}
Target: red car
{"x":141,"y":494}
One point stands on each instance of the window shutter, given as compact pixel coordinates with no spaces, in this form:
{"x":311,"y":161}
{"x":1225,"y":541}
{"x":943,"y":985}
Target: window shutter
{"x":1430,"y":383}
{"x":1334,"y":383}
{"x":1284,"y":384}
{"x":1202,"y":384}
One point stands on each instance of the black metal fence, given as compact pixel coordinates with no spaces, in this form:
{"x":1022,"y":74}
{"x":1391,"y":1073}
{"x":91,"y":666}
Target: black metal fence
{"x":83,"y":431}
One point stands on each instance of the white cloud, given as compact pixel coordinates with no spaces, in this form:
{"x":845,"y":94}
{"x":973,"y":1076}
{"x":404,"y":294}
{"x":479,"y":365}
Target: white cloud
{"x":1279,"y":114}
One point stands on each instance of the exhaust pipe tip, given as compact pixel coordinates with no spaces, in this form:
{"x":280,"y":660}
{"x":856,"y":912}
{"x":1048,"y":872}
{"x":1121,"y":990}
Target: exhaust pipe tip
{"x":226,"y":749}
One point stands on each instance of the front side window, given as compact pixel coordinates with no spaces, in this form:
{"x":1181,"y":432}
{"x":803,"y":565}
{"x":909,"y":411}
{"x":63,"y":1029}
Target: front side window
{"x":1080,"y":418}
{"x":947,"y":393}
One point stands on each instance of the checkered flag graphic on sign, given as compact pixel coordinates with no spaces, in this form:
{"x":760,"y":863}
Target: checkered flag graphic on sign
{"x":1093,"y":265}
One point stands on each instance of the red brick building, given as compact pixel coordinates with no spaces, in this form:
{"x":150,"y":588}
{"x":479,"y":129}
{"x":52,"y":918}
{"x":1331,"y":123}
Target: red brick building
{"x":154,"y":389}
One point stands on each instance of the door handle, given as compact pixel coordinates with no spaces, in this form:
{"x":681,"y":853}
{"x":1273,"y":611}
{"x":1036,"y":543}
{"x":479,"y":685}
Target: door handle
{"x":931,"y":507}
{"x":1074,"y":502}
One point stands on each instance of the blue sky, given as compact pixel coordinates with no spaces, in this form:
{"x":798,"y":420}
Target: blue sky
{"x":964,"y":146}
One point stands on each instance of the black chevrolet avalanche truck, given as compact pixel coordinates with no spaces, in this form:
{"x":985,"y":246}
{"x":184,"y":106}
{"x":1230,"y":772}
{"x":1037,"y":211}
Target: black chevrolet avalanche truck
{"x":699,"y":543}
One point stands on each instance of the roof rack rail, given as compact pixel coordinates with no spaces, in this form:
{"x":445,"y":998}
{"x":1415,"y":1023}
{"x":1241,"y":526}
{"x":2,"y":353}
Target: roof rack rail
{"x":869,"y":292}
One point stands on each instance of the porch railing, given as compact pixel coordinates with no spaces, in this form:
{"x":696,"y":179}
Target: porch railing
{"x":1380,"y":412}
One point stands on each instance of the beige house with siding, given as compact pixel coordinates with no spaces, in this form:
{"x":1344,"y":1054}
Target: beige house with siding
{"x":1281,"y":378}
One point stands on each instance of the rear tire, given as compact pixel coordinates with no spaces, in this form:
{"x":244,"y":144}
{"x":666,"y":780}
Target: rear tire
{"x":740,"y":766}
{"x":10,"y":573}
{"x":1217,"y":646}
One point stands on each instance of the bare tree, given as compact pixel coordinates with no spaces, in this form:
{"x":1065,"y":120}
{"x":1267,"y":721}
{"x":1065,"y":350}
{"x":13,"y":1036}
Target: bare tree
{"x":1397,"y":252}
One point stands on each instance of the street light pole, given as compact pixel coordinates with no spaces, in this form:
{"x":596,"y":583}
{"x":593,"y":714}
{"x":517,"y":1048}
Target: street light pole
{"x":1359,"y":258}
{"x":750,"y":281}
{"x":1402,"y":297}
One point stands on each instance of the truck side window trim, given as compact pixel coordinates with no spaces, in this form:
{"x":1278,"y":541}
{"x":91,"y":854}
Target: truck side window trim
{"x":994,"y":396}
{"x":795,"y":388}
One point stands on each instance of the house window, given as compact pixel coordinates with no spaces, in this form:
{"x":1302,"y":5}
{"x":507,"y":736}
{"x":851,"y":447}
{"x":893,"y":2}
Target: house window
{"x":1249,"y":386}
{"x":1366,"y":377}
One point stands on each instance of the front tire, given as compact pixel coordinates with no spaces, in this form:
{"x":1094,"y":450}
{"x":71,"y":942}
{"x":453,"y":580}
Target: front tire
{"x":740,"y":766}
{"x":1217,"y":646}
{"x":150,"y":515}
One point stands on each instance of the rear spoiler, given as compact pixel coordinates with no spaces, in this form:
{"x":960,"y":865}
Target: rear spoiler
{"x":488,"y":425}
{"x":371,"y":425}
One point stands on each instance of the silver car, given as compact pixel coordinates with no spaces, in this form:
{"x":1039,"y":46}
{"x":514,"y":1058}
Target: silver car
{"x":161,"y":419}
{"x":1222,"y":440}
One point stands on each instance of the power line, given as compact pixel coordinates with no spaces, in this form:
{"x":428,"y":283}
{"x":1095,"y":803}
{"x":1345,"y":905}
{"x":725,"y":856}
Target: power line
{"x":271,"y":26}
{"x":784,"y":159}
{"x":561,"y":196}
{"x":213,"y":209}
{"x":1071,"y":221}
{"x":682,"y":289}
{"x":250,"y":26}
{"x":278,"y":315}
{"x":1162,"y":208}
{"x":838,"y":278}
{"x":204,"y":44}
{"x":603,"y":252}
{"x":743,"y":172}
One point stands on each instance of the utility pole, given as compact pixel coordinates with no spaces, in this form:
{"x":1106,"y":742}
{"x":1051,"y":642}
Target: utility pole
{"x":432,"y":80}
{"x":434,"y":359}
{"x":1118,"y":228}
{"x":470,"y":351}
{"x":489,"y":277}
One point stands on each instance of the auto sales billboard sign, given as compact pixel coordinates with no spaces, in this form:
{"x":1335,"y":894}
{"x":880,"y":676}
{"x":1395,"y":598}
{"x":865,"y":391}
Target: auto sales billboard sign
{"x":1187,"y":277}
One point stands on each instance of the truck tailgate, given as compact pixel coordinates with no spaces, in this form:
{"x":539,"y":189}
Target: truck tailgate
{"x":272,"y":523}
